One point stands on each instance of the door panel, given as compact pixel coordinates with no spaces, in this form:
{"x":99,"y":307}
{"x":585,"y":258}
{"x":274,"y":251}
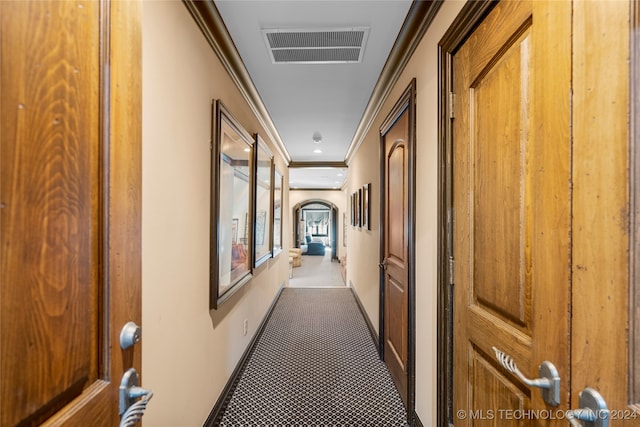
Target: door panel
{"x":396,"y":339}
{"x":511,"y":204}
{"x":492,"y":391}
{"x":396,"y":210}
{"x":57,"y":321}
{"x":501,"y":222}
{"x":50,"y":188}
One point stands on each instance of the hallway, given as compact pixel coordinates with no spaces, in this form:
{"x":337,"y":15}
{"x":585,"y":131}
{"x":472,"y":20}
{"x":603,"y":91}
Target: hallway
{"x":151,"y":196}
{"x":317,"y":271}
{"x":314,"y":363}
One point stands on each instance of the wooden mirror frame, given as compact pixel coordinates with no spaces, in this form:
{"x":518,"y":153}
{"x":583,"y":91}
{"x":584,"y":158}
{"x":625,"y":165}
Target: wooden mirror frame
{"x":262,"y":205}
{"x":226,"y":245}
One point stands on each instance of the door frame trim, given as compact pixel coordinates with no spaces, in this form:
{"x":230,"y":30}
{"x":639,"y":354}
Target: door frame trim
{"x":634,"y":220}
{"x":406,"y":102}
{"x":464,"y":24}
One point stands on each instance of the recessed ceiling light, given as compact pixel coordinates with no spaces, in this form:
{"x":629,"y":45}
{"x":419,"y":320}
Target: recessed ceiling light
{"x":317,"y":151}
{"x":339,"y":174}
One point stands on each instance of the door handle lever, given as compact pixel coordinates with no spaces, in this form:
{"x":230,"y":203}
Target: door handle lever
{"x":549,"y":381}
{"x":133,"y":399}
{"x":383,"y":264}
{"x":593,"y":410}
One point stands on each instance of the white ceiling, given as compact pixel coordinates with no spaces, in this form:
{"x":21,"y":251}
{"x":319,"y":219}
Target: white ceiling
{"x":319,"y":177}
{"x":303,"y":99}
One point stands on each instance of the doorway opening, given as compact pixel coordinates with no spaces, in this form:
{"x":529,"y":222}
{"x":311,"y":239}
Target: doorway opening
{"x":315,"y":237}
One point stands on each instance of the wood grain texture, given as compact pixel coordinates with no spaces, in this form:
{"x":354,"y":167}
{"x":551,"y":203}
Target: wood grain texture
{"x":500,"y":111}
{"x":551,"y":193}
{"x":511,"y":202}
{"x":634,"y":273}
{"x":70,"y":177}
{"x":120,"y":200}
{"x":492,"y":393}
{"x":601,"y":200}
{"x":49,"y":180}
{"x":125,"y":183}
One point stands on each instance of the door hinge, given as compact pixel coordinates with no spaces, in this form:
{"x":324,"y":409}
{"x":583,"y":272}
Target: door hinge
{"x":452,"y":265}
{"x":452,"y":104}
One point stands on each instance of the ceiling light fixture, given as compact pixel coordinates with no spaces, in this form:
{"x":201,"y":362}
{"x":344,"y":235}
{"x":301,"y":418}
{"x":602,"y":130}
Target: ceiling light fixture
{"x":317,"y":151}
{"x":317,"y":137}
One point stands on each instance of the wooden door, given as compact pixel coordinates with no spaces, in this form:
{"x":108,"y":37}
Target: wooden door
{"x":512,"y":209}
{"x":69,"y":208}
{"x":605,"y":297}
{"x":397,"y":253}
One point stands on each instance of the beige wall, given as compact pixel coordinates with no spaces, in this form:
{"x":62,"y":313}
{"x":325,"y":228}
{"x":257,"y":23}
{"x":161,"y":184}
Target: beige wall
{"x":189,"y":351}
{"x":363,"y":249}
{"x":336,"y":197}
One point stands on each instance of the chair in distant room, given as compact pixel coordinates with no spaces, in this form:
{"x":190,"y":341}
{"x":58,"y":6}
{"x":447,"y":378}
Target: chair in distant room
{"x":315,"y":246}
{"x":296,"y":256}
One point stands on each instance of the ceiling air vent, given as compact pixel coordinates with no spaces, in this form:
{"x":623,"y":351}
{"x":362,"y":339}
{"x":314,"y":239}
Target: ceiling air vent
{"x":320,"y":46}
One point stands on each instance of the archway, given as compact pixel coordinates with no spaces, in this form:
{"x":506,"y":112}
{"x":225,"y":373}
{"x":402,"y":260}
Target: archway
{"x":307,"y":219}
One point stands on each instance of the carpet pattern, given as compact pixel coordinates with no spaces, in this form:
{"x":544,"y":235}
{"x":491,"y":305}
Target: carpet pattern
{"x":315,"y":364}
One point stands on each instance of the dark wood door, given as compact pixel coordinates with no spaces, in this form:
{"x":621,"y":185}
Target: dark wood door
{"x":512,"y":209}
{"x":396,"y":250}
{"x":69,"y":209}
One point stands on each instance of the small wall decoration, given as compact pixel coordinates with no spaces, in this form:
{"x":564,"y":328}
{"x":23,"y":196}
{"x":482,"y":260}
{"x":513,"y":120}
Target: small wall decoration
{"x":344,"y":229}
{"x":360,"y":211}
{"x":352,"y":203}
{"x":359,"y":208}
{"x":366,"y":210}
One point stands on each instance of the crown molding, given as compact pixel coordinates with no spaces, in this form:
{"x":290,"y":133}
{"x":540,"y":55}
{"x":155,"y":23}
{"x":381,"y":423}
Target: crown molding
{"x":340,"y":164}
{"x":315,"y":189}
{"x":208,"y":19}
{"x":418,"y":20}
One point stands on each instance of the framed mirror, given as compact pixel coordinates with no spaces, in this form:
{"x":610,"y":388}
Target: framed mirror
{"x":277,"y":211}
{"x":231,"y":216}
{"x":263,"y":199}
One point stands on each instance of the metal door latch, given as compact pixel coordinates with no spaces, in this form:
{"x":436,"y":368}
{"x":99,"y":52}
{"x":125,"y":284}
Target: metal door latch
{"x":130,"y":335}
{"x":549,"y":381}
{"x":593,"y":410}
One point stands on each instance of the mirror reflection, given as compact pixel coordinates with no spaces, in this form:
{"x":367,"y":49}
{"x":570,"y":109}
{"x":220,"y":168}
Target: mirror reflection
{"x":233,"y":215}
{"x":263,"y":215}
{"x":277,"y":212}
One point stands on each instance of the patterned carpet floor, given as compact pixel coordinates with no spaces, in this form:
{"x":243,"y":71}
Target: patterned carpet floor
{"x":315,"y":364}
